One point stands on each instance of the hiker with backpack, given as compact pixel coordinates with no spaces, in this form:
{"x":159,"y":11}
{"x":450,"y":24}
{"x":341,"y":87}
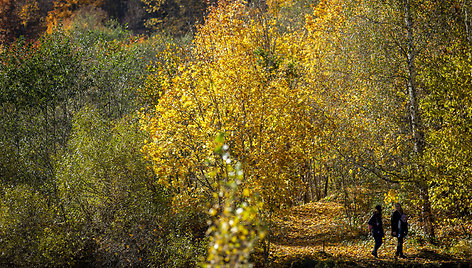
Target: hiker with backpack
{"x":399,"y":228}
{"x":375,"y":225}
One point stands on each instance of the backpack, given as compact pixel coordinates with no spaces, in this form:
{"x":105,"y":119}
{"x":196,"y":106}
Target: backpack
{"x":403,"y":225}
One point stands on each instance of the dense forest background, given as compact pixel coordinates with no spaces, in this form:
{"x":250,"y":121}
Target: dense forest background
{"x":31,"y":18}
{"x":175,"y":133}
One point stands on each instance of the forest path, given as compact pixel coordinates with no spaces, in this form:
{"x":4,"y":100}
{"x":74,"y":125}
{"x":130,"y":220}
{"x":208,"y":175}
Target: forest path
{"x":316,"y":233}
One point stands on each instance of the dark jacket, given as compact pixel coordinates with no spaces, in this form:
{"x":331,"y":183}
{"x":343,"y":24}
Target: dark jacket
{"x":376,"y":223}
{"x":399,"y":224}
{"x":394,"y":221}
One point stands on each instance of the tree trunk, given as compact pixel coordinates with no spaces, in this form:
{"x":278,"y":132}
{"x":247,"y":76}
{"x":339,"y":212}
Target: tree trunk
{"x":326,"y":184}
{"x":426,"y":213}
{"x":415,"y":122}
{"x":467,"y":23}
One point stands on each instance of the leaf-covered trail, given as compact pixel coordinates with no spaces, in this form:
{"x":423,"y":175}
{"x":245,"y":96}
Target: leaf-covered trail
{"x":316,"y":232}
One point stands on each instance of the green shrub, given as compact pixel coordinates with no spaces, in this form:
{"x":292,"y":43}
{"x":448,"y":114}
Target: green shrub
{"x":105,"y":186}
{"x":24,"y":213}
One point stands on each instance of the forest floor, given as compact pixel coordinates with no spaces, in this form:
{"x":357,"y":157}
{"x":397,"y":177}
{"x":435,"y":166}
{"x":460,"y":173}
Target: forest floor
{"x":315,"y":235}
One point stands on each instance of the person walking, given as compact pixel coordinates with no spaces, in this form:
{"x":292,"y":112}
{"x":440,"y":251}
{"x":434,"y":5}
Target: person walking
{"x":399,"y":228}
{"x":375,"y":225}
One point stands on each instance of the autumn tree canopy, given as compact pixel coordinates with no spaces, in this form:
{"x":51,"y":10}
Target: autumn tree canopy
{"x":236,"y":132}
{"x":350,"y":93}
{"x":242,"y":78}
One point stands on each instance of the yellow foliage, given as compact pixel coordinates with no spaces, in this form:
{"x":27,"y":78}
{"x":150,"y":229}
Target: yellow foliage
{"x":391,"y":197}
{"x":275,"y":5}
{"x":28,"y":12}
{"x":242,"y":78}
{"x":235,"y":226}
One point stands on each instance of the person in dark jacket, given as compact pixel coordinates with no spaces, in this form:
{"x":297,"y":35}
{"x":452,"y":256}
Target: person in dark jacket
{"x":399,"y":228}
{"x":375,"y":225}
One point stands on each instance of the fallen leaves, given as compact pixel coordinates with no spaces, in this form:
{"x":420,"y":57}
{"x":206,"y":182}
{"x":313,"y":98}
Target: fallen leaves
{"x":317,"y":232}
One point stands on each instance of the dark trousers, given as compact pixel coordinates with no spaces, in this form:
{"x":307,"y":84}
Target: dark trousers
{"x":378,"y":243}
{"x":399,"y":247}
